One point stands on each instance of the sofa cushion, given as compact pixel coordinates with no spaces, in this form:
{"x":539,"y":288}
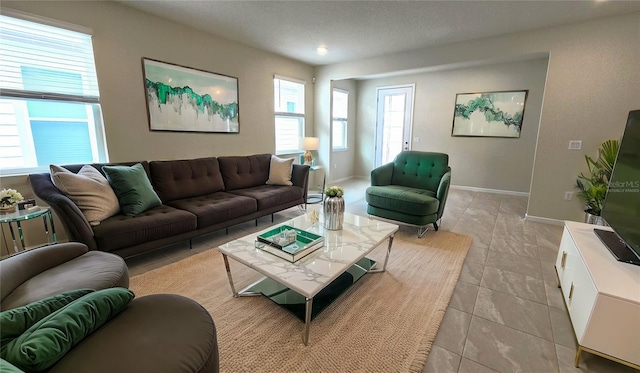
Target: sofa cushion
{"x":240,"y":172}
{"x":269,"y":196}
{"x":122,"y":231}
{"x":89,"y":190}
{"x":93,"y":270}
{"x":280,"y":171}
{"x":180,"y":179}
{"x":402,"y":199}
{"x":51,"y":338}
{"x":16,"y":321}
{"x":216,"y":207}
{"x":133,"y":188}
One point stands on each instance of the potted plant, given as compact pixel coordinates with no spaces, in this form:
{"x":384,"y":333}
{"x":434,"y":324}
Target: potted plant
{"x":8,"y":200}
{"x":593,"y":187}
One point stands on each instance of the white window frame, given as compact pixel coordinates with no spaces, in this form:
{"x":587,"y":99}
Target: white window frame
{"x":345,"y":122}
{"x":15,"y":95}
{"x":300,"y":117}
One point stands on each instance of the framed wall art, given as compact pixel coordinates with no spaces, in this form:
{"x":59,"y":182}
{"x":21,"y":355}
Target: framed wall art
{"x":184,"y":99}
{"x":489,"y":114}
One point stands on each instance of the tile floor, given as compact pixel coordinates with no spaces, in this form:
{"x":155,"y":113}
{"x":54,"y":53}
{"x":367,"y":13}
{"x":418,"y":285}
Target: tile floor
{"x":506,"y":314}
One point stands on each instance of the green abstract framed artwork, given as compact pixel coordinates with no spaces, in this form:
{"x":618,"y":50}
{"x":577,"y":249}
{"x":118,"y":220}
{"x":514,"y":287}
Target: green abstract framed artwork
{"x":184,"y":99}
{"x":489,"y":114}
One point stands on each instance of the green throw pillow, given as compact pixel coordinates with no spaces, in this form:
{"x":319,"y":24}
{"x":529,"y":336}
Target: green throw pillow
{"x":16,"y":321}
{"x":46,"y":342}
{"x":133,"y":188}
{"x":7,"y":367}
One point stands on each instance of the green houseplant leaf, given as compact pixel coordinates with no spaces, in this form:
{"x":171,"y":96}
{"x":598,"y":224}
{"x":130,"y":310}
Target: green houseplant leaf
{"x":593,"y":188}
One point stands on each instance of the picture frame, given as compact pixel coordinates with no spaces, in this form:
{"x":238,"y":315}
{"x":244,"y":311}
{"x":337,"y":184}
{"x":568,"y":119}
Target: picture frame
{"x":184,"y":99}
{"x":489,"y":114}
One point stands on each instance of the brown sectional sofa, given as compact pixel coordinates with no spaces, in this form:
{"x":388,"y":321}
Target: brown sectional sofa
{"x":198,"y":196}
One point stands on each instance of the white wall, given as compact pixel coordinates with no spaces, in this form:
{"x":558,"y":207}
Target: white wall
{"x":343,"y":161}
{"x":122,"y":36}
{"x":480,"y":162}
{"x":593,"y":81}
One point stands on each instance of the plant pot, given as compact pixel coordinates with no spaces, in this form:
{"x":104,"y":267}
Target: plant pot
{"x":7,"y":209}
{"x":333,"y":213}
{"x":589,"y":218}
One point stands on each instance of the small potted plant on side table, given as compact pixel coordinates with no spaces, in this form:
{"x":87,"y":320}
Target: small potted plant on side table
{"x":8,"y":200}
{"x":593,"y":188}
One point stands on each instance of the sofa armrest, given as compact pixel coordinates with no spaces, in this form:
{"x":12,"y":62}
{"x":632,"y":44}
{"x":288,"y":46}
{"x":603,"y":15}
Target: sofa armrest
{"x":75,"y":223}
{"x":382,"y":175}
{"x":300,"y":177}
{"x":443,"y":191}
{"x":18,"y":268}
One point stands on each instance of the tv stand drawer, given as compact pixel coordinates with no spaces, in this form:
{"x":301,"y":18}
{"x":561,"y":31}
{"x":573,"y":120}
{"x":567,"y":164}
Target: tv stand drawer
{"x":601,"y":294}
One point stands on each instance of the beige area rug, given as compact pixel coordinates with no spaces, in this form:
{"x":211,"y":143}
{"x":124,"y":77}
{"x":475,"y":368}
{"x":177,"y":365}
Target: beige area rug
{"x":386,"y":322}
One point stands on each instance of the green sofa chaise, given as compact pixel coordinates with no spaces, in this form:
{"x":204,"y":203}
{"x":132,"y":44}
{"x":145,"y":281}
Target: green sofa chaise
{"x":411,"y":190}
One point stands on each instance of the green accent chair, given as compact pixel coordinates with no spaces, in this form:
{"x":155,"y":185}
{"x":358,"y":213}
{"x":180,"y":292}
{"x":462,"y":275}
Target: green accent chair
{"x":411,"y":190}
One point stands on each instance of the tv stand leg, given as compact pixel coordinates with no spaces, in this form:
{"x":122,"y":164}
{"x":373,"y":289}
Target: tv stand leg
{"x":578,"y":356}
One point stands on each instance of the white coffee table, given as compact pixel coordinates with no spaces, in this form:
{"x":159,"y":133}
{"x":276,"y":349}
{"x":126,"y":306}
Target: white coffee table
{"x":323,"y":275}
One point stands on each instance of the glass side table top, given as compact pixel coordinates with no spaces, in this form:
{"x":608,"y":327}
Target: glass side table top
{"x":19,"y":215}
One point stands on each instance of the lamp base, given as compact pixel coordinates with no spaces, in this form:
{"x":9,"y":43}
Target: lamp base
{"x":308,"y":158}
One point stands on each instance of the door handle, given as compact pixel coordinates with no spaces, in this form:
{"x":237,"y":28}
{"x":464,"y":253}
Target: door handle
{"x":564,"y":259}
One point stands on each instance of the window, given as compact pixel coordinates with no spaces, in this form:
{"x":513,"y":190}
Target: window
{"x":340,"y":118}
{"x":289,"y":112}
{"x":49,"y":100}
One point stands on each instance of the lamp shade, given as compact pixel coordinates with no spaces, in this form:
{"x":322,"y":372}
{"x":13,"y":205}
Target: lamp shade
{"x":310,"y":143}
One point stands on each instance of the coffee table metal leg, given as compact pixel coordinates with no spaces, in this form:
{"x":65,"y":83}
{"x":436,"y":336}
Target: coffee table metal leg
{"x":386,"y":258}
{"x":226,"y":267}
{"x":307,"y":320}
{"x":244,"y":292}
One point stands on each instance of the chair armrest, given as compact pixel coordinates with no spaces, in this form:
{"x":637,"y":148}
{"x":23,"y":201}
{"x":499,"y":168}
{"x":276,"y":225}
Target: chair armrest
{"x":300,"y":177}
{"x":443,"y":191}
{"x":382,"y":175}
{"x":18,"y":268}
{"x":75,"y":223}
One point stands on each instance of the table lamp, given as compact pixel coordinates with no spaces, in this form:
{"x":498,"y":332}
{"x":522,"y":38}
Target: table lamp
{"x":308,"y":144}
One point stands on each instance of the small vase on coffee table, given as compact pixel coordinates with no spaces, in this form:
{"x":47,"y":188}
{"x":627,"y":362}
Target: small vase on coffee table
{"x":333,"y":213}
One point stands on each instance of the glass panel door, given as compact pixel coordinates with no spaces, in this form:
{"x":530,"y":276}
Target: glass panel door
{"x":393,"y":127}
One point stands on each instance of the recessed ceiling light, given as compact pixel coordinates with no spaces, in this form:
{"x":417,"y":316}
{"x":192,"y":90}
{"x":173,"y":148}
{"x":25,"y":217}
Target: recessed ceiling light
{"x":322,"y":50}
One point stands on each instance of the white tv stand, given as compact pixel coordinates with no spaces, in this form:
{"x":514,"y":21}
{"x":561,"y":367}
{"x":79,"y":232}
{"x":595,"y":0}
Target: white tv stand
{"x":601,"y":294}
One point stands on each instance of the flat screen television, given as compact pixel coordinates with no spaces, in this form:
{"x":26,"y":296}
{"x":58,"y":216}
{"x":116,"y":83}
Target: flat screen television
{"x":621,"y":209}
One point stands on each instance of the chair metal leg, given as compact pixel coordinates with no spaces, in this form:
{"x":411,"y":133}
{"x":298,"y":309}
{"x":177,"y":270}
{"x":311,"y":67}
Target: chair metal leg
{"x":422,"y":231}
{"x":435,"y":225}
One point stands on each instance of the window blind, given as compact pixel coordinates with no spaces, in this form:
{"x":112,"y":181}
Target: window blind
{"x":59,"y":60}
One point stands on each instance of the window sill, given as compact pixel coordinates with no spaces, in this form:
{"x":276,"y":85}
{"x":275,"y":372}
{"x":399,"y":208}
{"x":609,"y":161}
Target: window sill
{"x":337,"y":150}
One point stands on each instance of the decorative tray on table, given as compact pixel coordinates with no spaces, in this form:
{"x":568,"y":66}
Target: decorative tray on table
{"x":289,"y":243}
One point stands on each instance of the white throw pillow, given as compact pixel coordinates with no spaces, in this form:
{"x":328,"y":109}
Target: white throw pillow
{"x":89,"y":190}
{"x":280,"y":171}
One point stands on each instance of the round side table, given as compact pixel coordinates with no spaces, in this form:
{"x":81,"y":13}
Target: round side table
{"x":21,"y":215}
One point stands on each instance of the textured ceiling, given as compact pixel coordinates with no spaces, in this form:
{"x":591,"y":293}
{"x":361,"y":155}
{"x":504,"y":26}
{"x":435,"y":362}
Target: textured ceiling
{"x":354,"y":30}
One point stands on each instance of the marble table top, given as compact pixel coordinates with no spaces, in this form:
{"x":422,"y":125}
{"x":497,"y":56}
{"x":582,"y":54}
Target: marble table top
{"x":342,"y":248}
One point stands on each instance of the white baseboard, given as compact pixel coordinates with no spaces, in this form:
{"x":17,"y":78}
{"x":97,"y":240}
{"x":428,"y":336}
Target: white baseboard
{"x":539,"y":219}
{"x":487,"y":190}
{"x":346,"y":179}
